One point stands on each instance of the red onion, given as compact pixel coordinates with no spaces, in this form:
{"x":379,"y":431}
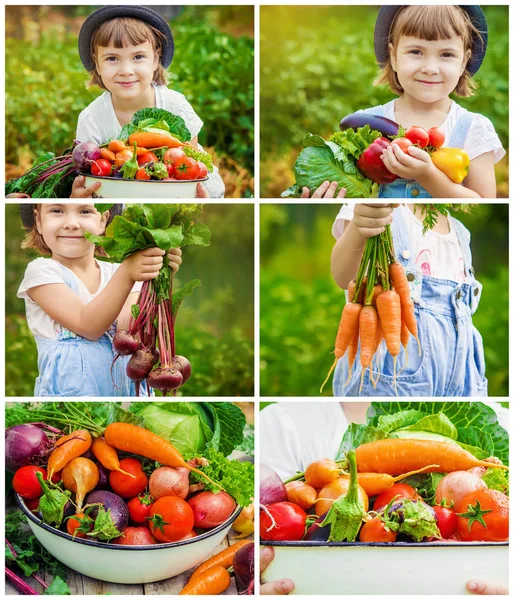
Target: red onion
{"x":25,"y":445}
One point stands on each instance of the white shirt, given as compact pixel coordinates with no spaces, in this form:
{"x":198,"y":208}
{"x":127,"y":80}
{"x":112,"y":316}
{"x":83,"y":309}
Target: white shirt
{"x":481,"y":136}
{"x":435,"y":254}
{"x":44,"y":271}
{"x":294,"y":434}
{"x":98,"y":123}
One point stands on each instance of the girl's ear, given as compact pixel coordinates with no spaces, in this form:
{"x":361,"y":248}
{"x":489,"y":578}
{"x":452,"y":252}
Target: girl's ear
{"x":392,"y":57}
{"x":37,"y":220}
{"x":103,"y":222}
{"x":467,"y":56}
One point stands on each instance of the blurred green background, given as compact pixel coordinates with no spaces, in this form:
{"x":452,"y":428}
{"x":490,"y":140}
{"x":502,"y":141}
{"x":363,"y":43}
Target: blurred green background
{"x":317,"y":65}
{"x":300,"y":305}
{"x":213,"y":67}
{"x":215,"y":326}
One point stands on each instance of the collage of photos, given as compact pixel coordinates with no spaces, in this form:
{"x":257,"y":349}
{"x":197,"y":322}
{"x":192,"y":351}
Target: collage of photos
{"x":241,"y":364}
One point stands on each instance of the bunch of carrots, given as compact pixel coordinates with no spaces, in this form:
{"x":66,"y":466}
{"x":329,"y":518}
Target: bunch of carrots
{"x":118,"y":151}
{"x":379,"y":308}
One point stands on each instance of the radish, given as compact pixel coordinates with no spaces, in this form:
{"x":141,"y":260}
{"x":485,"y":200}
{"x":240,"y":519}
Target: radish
{"x":454,"y":486}
{"x":140,"y":365}
{"x":169,"y":481}
{"x":184,"y":366}
{"x":165,"y":379}
{"x":124,"y":343}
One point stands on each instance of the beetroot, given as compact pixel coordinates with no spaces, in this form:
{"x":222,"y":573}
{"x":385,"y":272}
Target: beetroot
{"x":124,"y":343}
{"x":165,"y":379}
{"x":184,"y":366}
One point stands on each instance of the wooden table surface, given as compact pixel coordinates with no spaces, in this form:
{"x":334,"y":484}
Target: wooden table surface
{"x":83,"y":585}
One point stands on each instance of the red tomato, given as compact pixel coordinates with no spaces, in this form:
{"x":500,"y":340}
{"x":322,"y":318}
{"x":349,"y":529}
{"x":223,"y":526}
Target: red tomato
{"x":376,"y":531}
{"x":135,"y":536}
{"x":171,"y":519}
{"x":124,"y":485}
{"x":399,"y":489}
{"x":101,"y":167}
{"x":32,"y":504}
{"x":483,"y":516}
{"x":146,"y":158}
{"x":172,"y":154}
{"x":79,"y":525}
{"x":435,"y":137}
{"x":203,"y":171}
{"x":403,"y":142}
{"x":282,"y":521}
{"x":186,"y":168}
{"x":25,"y":482}
{"x":171,"y":169}
{"x":446,"y":521}
{"x":417,"y":135}
{"x":141,"y":174}
{"x":139,"y":508}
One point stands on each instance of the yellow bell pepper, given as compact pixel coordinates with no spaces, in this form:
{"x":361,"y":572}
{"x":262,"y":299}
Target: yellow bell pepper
{"x":453,"y":162}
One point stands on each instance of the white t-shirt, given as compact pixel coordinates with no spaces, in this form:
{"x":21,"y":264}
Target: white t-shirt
{"x":294,"y":434}
{"x":435,"y":254}
{"x":98,"y":123}
{"x":481,"y":136}
{"x":44,"y":271}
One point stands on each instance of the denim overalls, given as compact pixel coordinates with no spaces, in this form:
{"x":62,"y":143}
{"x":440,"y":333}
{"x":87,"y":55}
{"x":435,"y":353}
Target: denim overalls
{"x":407,"y":188}
{"x":75,"y":366}
{"x":452,"y":354}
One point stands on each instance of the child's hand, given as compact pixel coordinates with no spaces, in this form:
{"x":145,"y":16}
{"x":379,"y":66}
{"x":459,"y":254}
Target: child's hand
{"x":201,"y":191}
{"x":415,"y":165}
{"x":78,"y":189}
{"x":175,"y":258}
{"x":325,"y":190}
{"x":371,"y":219}
{"x":280,"y":586}
{"x":144,"y":264}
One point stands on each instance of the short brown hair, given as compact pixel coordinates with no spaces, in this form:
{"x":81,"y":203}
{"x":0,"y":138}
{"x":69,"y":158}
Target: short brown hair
{"x":435,"y":22}
{"x":33,"y":240}
{"x":122,"y":31}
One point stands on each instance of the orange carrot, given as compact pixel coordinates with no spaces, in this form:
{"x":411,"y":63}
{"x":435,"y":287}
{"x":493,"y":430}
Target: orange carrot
{"x":116,"y":146}
{"x":352,"y":286}
{"x":80,"y":476}
{"x":389,"y":311}
{"x":151,"y":140}
{"x":368,"y":324}
{"x":322,"y":471}
{"x":122,"y":157}
{"x":301,"y":493}
{"x":352,"y":354}
{"x":67,"y":448}
{"x":224,"y":559}
{"x":136,"y":440}
{"x":211,"y":582}
{"x":401,"y":285}
{"x":396,"y":456}
{"x":107,"y":456}
{"x":378,"y":289}
{"x":107,"y":154}
{"x":348,"y":324}
{"x":376,"y":483}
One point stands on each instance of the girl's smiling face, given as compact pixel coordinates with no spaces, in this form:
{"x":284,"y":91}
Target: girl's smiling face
{"x":63,"y":225}
{"x":127,"y":72}
{"x":429,"y":70}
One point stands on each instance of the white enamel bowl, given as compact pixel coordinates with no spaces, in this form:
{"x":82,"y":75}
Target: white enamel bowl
{"x":135,"y":188}
{"x":400,"y":568}
{"x":126,"y":564}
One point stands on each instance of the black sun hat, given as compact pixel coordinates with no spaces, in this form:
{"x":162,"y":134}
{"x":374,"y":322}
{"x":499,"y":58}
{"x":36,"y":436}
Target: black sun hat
{"x":116,"y":12}
{"x":385,"y":19}
{"x":27,"y":214}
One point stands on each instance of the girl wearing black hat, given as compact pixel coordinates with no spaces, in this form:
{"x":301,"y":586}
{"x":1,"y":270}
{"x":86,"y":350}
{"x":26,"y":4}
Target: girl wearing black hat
{"x":126,"y":50}
{"x":74,"y":302}
{"x":427,"y":53}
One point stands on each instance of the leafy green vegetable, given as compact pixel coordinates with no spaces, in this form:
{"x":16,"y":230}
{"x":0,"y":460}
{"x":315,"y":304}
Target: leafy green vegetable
{"x":52,"y":502}
{"x":413,"y":518}
{"x":58,"y":587}
{"x":104,"y":528}
{"x":157,"y":170}
{"x":200,"y":156}
{"x":156,"y":118}
{"x":130,"y":166}
{"x":236,"y":478}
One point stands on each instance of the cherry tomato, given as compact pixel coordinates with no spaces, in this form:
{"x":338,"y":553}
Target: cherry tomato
{"x":203,"y":171}
{"x":282,"y":521}
{"x":171,"y":169}
{"x":101,"y":167}
{"x":141,"y":174}
{"x":171,"y":519}
{"x":25,"y":482}
{"x":417,"y":135}
{"x":403,"y":142}
{"x":172,"y":154}
{"x":483,"y":516}
{"x":376,"y":531}
{"x":139,"y":509}
{"x":399,"y":489}
{"x":124,"y":485}
{"x":79,"y":525}
{"x":32,"y":504}
{"x":435,"y":137}
{"x":446,"y":521}
{"x":146,"y":158}
{"x":186,"y":168}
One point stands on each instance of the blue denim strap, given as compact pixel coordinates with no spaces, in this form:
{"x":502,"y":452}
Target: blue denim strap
{"x":460,"y":131}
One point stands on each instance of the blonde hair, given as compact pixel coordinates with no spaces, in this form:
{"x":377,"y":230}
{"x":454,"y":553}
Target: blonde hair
{"x":34,"y":240}
{"x":431,"y":23}
{"x":122,"y":31}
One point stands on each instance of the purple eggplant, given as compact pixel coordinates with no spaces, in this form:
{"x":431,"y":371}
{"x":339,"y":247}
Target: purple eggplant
{"x":316,"y":532}
{"x":386,"y":127}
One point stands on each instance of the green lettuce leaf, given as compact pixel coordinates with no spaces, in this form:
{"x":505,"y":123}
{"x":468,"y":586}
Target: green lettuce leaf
{"x":154,"y":117}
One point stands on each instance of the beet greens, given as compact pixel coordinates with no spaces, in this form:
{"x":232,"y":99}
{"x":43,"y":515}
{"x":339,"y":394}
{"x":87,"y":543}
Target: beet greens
{"x":150,"y":339}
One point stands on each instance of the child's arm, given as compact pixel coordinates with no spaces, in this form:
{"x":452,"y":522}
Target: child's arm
{"x":368,"y":220}
{"x":92,"y":320}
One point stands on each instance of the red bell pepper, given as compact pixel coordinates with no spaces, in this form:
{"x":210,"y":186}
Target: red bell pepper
{"x":371,"y":165}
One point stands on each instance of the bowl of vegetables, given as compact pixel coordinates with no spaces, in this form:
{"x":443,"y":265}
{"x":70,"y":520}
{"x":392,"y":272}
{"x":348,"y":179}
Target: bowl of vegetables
{"x":402,"y":500}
